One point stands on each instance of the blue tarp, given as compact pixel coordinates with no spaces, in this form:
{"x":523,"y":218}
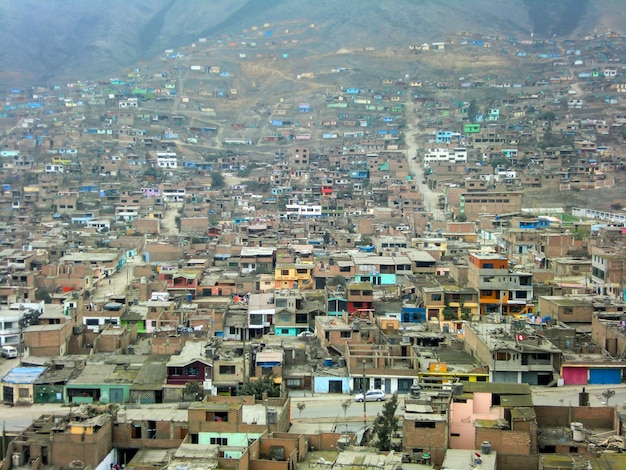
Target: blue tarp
{"x":23,"y":375}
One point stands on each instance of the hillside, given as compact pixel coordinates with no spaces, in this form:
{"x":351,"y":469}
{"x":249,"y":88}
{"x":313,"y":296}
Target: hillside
{"x":49,"y":40}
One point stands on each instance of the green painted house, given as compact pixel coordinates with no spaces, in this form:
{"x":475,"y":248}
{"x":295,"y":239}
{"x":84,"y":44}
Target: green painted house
{"x":102,"y":382}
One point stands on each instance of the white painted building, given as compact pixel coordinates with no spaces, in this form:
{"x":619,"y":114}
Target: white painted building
{"x":167,"y":160}
{"x":445,"y":155}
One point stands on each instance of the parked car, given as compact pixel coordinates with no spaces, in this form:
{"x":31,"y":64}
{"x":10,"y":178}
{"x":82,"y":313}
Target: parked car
{"x":306,"y":334}
{"x":9,"y":352}
{"x":371,"y":395}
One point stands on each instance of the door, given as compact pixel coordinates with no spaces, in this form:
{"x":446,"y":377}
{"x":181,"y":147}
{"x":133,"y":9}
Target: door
{"x":387,"y":385}
{"x":116,"y":395}
{"x":507,"y":377}
{"x":7,"y":394}
{"x":604,"y":376}
{"x":334,"y":386}
{"x":574,"y":375}
{"x":377,"y":384}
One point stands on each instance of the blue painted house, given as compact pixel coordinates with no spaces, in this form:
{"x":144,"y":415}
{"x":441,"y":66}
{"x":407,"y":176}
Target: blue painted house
{"x":412,"y":314}
{"x":444,"y":137}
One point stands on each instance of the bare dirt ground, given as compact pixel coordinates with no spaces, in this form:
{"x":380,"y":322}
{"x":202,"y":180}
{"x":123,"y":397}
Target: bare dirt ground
{"x":168,"y":222}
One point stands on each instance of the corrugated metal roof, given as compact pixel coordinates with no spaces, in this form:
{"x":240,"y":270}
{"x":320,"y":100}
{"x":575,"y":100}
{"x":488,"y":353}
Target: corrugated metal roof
{"x":23,"y":375}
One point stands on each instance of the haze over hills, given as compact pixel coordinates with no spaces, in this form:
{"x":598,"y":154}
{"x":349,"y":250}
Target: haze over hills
{"x":49,"y":40}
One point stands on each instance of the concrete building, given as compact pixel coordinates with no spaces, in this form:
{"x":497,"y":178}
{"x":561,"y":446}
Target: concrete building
{"x":513,"y":353}
{"x":501,"y":290}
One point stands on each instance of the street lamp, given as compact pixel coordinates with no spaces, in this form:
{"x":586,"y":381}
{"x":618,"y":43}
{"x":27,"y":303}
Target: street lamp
{"x":364,"y":397}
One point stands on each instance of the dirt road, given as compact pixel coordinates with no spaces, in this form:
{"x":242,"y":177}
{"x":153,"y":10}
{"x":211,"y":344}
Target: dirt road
{"x":431,"y":198}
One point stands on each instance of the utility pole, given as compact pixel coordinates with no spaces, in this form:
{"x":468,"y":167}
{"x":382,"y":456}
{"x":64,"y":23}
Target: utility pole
{"x":364,"y":400}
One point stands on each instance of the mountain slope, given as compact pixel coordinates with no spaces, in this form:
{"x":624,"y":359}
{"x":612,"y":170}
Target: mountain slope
{"x":58,"y":39}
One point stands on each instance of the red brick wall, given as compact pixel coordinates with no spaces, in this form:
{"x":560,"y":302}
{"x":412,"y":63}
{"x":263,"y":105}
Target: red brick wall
{"x":434,"y":441}
{"x":323,"y":440}
{"x":168,"y":436}
{"x":268,"y":465}
{"x":47,"y":343}
{"x":301,"y":443}
{"x":562,"y":416}
{"x":517,"y":462}
{"x":504,"y":441}
{"x":90,"y":448}
{"x":601,"y":330}
{"x":194,"y":224}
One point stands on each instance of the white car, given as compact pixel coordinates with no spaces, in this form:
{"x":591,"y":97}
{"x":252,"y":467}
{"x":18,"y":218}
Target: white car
{"x":306,"y":334}
{"x":371,"y":395}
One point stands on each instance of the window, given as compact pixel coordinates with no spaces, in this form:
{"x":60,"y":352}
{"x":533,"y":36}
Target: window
{"x":404,"y":385}
{"x":284,"y":272}
{"x":176,"y":371}
{"x":435,"y":297}
{"x":502,"y":356}
{"x":232,"y":330}
{"x":425,"y":424}
{"x":227,"y":369}
{"x":220,"y":416}
{"x":302,"y":318}
{"x":24,"y":393}
{"x":135,"y":431}
{"x":193,"y":371}
{"x":219,"y":441}
{"x":293,"y":382}
{"x":346,"y":334}
{"x":344,"y":269}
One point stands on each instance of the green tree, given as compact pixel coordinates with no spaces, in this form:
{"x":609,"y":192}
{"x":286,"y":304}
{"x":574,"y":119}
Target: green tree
{"x":472,"y":111}
{"x":193,"y":391}
{"x":386,"y":424}
{"x":217,"y":180}
{"x":366,"y":240}
{"x":448,"y":312}
{"x":259,"y":387}
{"x":465,"y":311}
{"x":337,"y":281}
{"x":43,"y":294}
{"x":550,"y":117}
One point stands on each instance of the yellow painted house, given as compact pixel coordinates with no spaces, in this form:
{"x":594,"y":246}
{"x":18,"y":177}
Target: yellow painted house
{"x":294,"y":275}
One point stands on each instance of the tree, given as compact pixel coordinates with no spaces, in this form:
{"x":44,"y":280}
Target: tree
{"x":502,"y":161}
{"x":472,"y":111}
{"x":607,"y":394}
{"x":193,"y":391}
{"x":366,"y":240}
{"x":386,"y":424}
{"x":301,"y":406}
{"x":448,"y":312}
{"x":345,"y":405}
{"x":217,"y":180}
{"x":337,"y":281}
{"x":259,"y":387}
{"x":43,"y":294}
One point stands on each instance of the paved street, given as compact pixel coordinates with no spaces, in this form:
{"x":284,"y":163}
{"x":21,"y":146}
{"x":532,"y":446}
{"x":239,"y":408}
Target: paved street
{"x":327,"y":408}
